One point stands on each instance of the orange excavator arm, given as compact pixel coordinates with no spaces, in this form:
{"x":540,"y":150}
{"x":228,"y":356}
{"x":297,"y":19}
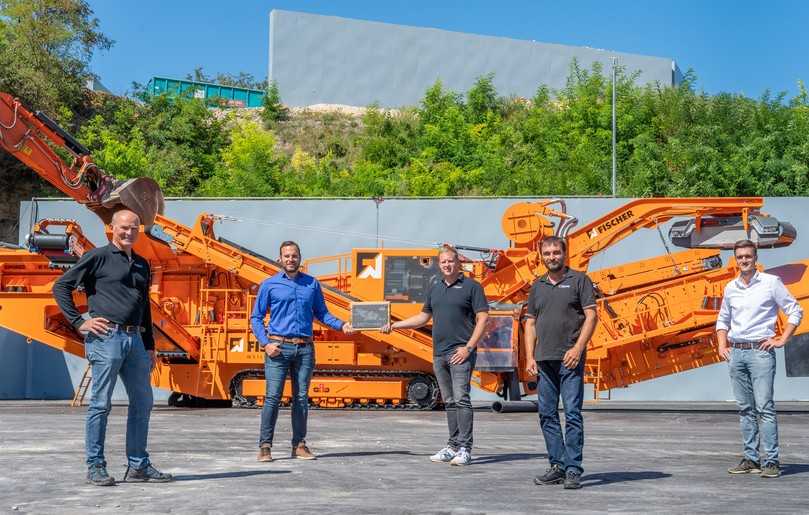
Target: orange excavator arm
{"x":526,"y":224}
{"x":616,"y":225}
{"x":39,"y":143}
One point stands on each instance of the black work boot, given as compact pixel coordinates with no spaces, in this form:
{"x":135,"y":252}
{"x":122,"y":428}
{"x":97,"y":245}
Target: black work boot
{"x":552,"y":476}
{"x":97,"y":475}
{"x":572,"y":480}
{"x":147,"y":473}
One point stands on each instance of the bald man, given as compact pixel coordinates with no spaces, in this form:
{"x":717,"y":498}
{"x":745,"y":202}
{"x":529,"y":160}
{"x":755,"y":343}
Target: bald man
{"x":117,"y":330}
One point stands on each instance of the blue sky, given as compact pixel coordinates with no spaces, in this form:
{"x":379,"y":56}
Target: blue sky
{"x":738,"y":46}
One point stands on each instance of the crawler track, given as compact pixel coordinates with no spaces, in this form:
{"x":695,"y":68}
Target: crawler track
{"x":422,"y":391}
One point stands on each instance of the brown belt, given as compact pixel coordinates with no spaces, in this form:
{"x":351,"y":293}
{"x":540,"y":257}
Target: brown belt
{"x":287,"y":339}
{"x":746,"y":345}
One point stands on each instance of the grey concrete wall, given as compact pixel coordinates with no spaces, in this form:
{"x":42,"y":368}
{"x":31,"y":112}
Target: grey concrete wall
{"x":325,"y":59}
{"x":326,"y":227}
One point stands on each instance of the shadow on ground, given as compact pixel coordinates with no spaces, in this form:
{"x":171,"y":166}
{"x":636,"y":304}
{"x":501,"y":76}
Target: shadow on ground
{"x":513,"y":456}
{"x":364,"y":454}
{"x":227,"y":475}
{"x":610,"y":478}
{"x":788,"y":469}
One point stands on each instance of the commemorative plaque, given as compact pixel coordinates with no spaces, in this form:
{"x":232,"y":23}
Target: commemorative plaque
{"x":369,"y":316}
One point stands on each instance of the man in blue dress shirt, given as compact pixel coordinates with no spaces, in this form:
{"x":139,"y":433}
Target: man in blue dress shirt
{"x":293,"y":300}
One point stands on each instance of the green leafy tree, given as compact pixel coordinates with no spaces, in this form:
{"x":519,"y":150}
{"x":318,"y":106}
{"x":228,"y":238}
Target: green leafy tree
{"x":272,"y":109}
{"x":481,"y":99}
{"x":249,"y":166}
{"x":46,"y":50}
{"x":177,"y":142}
{"x":389,"y":140}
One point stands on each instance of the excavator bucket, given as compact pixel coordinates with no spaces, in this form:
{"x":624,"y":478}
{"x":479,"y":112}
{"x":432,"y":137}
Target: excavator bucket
{"x":141,"y":195}
{"x":722,"y":232}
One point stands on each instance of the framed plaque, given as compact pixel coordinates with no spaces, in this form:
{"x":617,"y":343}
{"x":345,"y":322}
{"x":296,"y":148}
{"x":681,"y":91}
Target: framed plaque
{"x":369,"y":316}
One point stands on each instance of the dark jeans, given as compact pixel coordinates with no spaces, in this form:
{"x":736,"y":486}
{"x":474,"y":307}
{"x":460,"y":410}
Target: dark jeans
{"x":118,"y":353}
{"x":453,"y":380}
{"x":556,"y":380}
{"x":299,"y":362}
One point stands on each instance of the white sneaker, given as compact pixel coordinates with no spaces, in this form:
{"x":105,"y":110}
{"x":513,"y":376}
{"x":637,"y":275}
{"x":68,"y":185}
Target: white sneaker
{"x":462,"y":457}
{"x":443,"y":456}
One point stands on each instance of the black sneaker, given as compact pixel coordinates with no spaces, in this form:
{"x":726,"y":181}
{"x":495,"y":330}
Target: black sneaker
{"x":572,"y":480}
{"x":770,"y":470}
{"x":97,"y":475}
{"x":552,"y":476}
{"x":745,"y":467}
{"x":147,"y":473}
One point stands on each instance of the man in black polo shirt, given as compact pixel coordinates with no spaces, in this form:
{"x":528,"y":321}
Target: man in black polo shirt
{"x":118,"y":340}
{"x":560,"y":321}
{"x":459,"y":311}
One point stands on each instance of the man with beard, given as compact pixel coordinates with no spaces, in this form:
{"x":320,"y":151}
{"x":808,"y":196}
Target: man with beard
{"x":458,"y":307}
{"x":293,"y":300}
{"x":745,"y":330}
{"x":561,"y":319}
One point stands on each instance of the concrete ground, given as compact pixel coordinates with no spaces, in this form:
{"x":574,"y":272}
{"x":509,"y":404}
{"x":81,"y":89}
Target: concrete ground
{"x":377,"y":462}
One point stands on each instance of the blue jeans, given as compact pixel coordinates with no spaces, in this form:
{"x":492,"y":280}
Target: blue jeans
{"x":453,"y":380}
{"x":752,"y":373}
{"x":557,"y":380}
{"x":299,"y":362}
{"x":118,"y":353}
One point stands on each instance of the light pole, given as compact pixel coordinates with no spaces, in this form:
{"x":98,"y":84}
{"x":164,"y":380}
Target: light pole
{"x":614,"y":166}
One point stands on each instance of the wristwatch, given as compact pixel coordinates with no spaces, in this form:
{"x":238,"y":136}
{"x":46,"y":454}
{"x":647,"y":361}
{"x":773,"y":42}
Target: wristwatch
{"x":469,"y":349}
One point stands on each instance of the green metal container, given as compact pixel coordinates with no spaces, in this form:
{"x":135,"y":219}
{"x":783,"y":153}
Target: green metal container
{"x":216,"y":94}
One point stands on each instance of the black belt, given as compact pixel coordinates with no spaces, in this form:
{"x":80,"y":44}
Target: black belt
{"x":746,"y":345}
{"x":295,"y":340}
{"x":128,"y":328}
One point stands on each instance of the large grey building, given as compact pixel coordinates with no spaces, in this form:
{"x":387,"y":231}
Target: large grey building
{"x":325,"y":59}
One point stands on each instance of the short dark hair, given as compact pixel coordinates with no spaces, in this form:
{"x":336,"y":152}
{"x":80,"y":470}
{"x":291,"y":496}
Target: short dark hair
{"x":289,"y":243}
{"x":553,"y":240}
{"x":445,"y":248}
{"x":745,"y":244}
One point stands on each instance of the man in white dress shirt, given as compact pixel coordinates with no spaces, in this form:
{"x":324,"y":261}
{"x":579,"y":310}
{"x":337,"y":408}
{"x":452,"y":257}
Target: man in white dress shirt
{"x":745,"y":331}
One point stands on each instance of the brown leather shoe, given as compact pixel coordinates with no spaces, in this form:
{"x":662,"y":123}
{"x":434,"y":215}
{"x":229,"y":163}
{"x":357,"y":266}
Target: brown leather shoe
{"x":264,"y":453}
{"x":302,"y":452}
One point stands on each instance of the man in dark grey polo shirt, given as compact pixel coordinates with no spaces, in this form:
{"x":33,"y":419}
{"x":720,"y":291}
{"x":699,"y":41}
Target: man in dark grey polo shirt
{"x":561,"y":319}
{"x":459,"y":311}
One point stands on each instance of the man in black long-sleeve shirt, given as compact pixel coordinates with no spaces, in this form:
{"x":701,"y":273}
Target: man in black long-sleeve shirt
{"x":118,"y":340}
